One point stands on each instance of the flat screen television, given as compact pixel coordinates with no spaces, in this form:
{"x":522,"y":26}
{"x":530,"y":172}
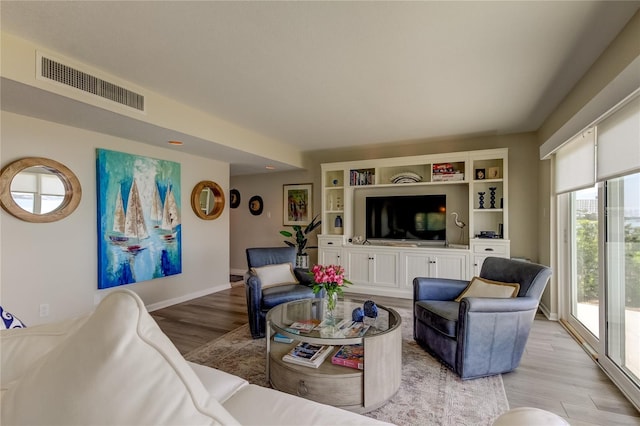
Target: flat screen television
{"x":406,"y":218}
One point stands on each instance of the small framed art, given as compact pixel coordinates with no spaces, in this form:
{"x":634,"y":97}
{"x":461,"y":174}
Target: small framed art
{"x":297,"y":204}
{"x":480,"y":174}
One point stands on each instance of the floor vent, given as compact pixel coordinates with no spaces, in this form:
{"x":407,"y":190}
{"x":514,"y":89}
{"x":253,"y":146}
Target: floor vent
{"x":80,"y":80}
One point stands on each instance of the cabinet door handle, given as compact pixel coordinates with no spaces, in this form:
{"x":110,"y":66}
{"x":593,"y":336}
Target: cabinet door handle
{"x":330,"y":243}
{"x":488,"y":249}
{"x":302,"y":388}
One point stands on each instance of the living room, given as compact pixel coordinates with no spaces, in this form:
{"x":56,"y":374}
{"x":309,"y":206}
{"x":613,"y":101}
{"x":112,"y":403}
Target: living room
{"x":55,"y":264}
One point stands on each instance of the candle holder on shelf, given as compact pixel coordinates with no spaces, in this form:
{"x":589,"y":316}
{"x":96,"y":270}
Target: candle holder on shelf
{"x":492,"y":197}
{"x":481,"y":200}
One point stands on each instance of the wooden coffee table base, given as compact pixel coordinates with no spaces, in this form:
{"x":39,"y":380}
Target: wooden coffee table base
{"x":355,"y":390}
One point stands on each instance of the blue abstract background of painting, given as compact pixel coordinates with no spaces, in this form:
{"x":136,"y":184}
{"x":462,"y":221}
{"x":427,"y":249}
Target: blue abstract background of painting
{"x":139,"y":218}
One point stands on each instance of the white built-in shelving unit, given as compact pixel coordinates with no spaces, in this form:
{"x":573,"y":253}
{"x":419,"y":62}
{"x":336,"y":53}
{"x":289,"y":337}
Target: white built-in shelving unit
{"x":388,"y":268}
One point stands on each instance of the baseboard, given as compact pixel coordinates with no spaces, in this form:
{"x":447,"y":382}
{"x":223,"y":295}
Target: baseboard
{"x":240,"y":272}
{"x":547,"y":313}
{"x":186,"y":297}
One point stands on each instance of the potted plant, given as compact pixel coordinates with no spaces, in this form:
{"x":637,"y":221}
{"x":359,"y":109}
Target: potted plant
{"x":301,"y":239}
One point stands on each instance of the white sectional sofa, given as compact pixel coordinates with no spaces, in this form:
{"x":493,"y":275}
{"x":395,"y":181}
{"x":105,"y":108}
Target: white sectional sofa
{"x":116,"y":367}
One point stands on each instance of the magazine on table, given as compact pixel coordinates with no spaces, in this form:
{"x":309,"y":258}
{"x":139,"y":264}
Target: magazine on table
{"x":355,"y":329}
{"x":307,"y":354}
{"x":330,"y":322}
{"x":304,"y":326}
{"x":350,"y":356}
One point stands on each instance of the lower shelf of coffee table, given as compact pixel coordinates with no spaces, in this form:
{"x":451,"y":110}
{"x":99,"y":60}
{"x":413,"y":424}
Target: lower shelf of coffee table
{"x":329,"y":384}
{"x":355,"y":390}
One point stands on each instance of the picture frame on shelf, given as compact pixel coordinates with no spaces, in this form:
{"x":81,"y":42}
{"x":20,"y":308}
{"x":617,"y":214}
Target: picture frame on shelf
{"x":297,"y":204}
{"x":493,"y":173}
{"x":480,"y":174}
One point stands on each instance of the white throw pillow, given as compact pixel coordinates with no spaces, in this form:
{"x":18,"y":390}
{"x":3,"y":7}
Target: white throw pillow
{"x":273,"y":275}
{"x":482,"y":287}
{"x":117,"y":369}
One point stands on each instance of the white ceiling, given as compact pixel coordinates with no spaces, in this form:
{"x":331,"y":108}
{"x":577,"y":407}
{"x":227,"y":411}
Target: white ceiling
{"x":320,"y":75}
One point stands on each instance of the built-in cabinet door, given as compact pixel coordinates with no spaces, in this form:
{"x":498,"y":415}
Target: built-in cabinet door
{"x":415,"y":265}
{"x":477,"y":264}
{"x":358,"y":267}
{"x":372,"y":268}
{"x":385,"y":269}
{"x":330,"y":256}
{"x":452,"y":266}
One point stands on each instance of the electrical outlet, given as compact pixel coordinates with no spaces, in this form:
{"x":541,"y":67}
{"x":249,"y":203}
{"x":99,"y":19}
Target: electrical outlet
{"x":44,"y":310}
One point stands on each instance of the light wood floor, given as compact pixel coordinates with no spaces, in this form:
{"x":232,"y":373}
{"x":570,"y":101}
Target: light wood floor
{"x":555,"y":373}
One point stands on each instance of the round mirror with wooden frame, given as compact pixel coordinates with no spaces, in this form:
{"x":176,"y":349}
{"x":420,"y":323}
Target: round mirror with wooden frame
{"x":207,"y":200}
{"x":39,"y":190}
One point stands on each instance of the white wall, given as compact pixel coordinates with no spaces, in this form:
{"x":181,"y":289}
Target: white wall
{"x":248,"y":230}
{"x":56,"y":263}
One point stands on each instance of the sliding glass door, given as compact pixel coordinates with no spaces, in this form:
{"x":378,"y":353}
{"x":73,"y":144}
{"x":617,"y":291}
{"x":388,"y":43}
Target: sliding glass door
{"x":585,"y":279}
{"x":623,"y":274}
{"x":604,"y":275}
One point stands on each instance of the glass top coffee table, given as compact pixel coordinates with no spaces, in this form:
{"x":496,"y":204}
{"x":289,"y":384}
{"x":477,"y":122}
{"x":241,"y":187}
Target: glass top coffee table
{"x":350,"y":388}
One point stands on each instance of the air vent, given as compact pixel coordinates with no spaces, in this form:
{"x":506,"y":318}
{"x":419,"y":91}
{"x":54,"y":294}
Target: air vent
{"x":87,"y":83}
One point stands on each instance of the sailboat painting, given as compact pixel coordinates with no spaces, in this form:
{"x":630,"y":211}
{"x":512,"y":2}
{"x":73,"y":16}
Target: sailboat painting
{"x":139,"y":226}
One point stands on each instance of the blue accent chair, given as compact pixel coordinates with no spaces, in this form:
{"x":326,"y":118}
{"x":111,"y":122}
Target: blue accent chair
{"x":478,"y":337}
{"x":260,"y":300}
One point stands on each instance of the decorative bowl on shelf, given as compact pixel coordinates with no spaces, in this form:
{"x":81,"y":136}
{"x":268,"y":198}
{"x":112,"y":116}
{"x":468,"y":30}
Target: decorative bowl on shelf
{"x":405,"y":177}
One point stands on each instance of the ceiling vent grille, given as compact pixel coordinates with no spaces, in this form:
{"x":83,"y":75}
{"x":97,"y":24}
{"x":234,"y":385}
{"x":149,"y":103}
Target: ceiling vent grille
{"x":87,"y":83}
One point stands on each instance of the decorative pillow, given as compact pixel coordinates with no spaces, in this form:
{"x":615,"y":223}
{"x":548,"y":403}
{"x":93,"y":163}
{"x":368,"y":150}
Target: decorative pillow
{"x":273,"y":275}
{"x":9,"y":321}
{"x":482,"y":287}
{"x":118,"y":368}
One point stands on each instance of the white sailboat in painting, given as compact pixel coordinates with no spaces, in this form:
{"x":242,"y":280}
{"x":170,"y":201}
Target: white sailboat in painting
{"x":156,"y":207}
{"x":118,"y":221}
{"x":170,"y":216}
{"x":134,"y":227}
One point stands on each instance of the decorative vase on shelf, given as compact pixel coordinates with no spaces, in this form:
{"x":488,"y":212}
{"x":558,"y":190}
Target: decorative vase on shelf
{"x":337,"y":225}
{"x":492,"y":197}
{"x":481,"y":200}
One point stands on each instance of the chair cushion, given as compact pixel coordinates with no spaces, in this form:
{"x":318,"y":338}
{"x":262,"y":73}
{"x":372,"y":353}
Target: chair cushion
{"x":482,"y":287}
{"x":118,"y":368}
{"x":275,"y":275}
{"x":441,"y":315}
{"x":274,"y":296}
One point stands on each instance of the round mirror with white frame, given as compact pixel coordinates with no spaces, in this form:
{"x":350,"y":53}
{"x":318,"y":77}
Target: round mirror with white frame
{"x":39,"y":190}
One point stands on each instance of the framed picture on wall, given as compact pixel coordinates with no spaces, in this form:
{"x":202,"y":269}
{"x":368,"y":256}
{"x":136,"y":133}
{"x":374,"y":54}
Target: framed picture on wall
{"x":297,"y":204}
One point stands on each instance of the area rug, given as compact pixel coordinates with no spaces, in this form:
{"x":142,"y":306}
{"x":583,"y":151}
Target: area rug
{"x":430,"y":394}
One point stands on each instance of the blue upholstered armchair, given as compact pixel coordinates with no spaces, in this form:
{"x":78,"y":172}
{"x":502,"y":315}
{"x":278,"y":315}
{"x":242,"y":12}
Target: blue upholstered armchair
{"x":478,"y":336}
{"x":262,"y":298}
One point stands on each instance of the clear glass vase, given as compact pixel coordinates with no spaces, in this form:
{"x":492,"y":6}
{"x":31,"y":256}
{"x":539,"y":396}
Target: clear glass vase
{"x":330,"y":303}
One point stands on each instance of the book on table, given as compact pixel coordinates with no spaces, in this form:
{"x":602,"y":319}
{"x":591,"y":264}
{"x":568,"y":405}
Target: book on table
{"x":350,"y":356}
{"x":281,"y":338}
{"x":308,"y":354}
